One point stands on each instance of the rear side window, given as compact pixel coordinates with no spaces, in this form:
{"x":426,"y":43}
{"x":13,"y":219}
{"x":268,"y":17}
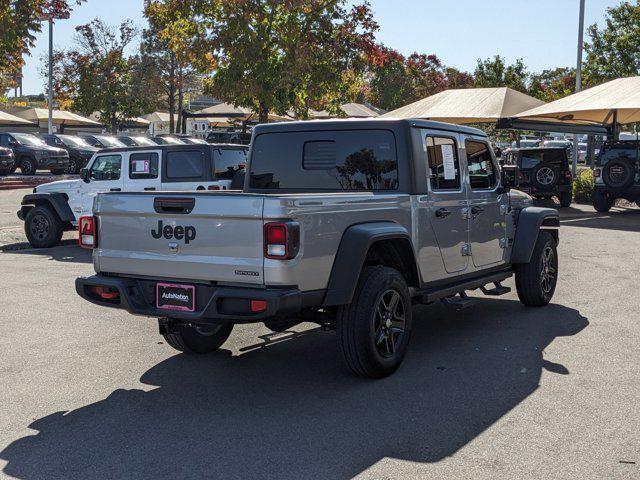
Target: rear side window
{"x":185,"y":164}
{"x":482,"y":171}
{"x":443,"y":164}
{"x":227,"y":162}
{"x":345,"y":160}
{"x":608,"y":154}
{"x":143,"y":165}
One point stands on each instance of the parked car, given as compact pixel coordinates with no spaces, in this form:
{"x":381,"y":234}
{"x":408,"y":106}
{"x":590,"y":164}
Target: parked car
{"x":544,"y":172}
{"x":193,"y":140}
{"x":31,"y":153}
{"x":526,"y":144}
{"x":229,"y":137}
{"x":6,"y":160}
{"x":617,"y":174}
{"x":136,"y":141}
{"x":102,"y":141}
{"x":55,"y":207}
{"x":342,"y":223}
{"x":168,"y":140}
{"x":80,"y":152}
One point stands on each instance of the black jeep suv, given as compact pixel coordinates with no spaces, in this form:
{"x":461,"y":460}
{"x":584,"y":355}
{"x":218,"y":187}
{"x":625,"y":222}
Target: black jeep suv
{"x":617,"y":174}
{"x":31,"y":154}
{"x":80,"y":152}
{"x":545,"y":172}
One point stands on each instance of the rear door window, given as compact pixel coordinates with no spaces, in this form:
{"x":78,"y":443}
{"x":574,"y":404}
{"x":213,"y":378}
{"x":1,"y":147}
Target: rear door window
{"x":143,"y":165}
{"x":345,"y":160}
{"x":482,"y":170}
{"x":184,"y":164}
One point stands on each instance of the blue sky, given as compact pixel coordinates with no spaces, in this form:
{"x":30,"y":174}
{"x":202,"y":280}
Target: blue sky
{"x":542,"y":32}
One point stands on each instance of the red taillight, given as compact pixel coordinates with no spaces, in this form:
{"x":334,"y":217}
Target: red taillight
{"x":568,"y":175}
{"x":597,"y":172}
{"x":281,"y":240}
{"x":87,"y":233}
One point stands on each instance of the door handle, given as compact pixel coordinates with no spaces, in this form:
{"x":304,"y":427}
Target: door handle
{"x":115,"y":189}
{"x":149,"y":188}
{"x":442,"y":213}
{"x":476,"y":210}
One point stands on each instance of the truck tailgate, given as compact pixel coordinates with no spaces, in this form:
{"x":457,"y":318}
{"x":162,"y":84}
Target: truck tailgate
{"x":185,"y":235}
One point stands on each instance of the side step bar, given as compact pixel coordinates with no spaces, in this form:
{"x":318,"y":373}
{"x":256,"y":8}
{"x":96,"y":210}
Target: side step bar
{"x":430,"y":295}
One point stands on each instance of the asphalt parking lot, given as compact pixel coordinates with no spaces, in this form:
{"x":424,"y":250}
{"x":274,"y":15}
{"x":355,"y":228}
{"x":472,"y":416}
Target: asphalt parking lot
{"x":495,"y":391}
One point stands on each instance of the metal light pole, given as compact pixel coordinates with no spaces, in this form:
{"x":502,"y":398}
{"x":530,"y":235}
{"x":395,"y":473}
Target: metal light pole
{"x":50,"y":125}
{"x":578,"y":81}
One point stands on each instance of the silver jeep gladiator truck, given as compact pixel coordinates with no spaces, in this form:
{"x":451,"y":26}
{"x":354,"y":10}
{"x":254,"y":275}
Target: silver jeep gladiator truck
{"x":345,"y":223}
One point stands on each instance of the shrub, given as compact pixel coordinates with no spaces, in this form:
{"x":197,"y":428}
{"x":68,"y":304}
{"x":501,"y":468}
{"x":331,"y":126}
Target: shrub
{"x":583,"y":186}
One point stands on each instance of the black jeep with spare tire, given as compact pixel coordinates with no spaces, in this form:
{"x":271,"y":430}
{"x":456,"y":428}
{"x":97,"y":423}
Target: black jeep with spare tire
{"x":617,"y":174}
{"x":544,"y":172}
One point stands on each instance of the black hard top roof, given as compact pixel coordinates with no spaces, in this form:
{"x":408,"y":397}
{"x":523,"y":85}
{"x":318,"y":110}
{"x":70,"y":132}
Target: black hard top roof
{"x":186,"y":146}
{"x":363,"y":123}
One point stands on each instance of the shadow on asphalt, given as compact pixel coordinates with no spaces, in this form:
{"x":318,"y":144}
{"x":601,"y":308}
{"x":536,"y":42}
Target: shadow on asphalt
{"x":288,"y":409}
{"x":67,"y":251}
{"x":620,"y":218}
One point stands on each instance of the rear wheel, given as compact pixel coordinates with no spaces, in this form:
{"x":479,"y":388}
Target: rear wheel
{"x":545,"y":177}
{"x":602,"y":202}
{"x":27,"y":166}
{"x":200,"y":339}
{"x":42,"y":227}
{"x":374,"y":330}
{"x":536,"y":281}
{"x":565,"y":199}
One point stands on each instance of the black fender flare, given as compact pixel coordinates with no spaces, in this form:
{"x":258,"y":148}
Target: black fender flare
{"x":530,"y":221}
{"x":351,"y":254}
{"x":58,"y":201}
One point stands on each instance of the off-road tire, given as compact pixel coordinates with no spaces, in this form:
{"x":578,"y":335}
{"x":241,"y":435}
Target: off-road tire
{"x":627,"y":177}
{"x":542,"y":186}
{"x":28,"y":166}
{"x":529,"y":276}
{"x":198,"y":339}
{"x":360,"y":323}
{"x":601,"y":201}
{"x":42,"y":227}
{"x":566,"y":198}
{"x":57,"y":171}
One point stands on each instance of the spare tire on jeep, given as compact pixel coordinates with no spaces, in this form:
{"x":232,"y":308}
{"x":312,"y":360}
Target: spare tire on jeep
{"x":619,"y":173}
{"x":545,"y":176}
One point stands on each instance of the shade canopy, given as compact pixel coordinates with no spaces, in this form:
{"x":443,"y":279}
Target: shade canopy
{"x":131,"y":122}
{"x":11,"y":120}
{"x":349,"y":110}
{"x":159,"y":117}
{"x":227,"y":110}
{"x":60,"y":117}
{"x":471,"y":105}
{"x":598,"y":105}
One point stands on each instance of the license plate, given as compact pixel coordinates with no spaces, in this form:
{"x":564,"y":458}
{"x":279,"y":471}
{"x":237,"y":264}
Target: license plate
{"x":170,"y":296}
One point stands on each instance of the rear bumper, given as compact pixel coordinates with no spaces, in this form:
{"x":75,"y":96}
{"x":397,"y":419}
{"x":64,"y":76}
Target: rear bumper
{"x":213,"y":304}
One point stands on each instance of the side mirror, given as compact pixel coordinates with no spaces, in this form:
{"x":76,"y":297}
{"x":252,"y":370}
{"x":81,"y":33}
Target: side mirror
{"x":84,"y":175}
{"x":510,"y":177}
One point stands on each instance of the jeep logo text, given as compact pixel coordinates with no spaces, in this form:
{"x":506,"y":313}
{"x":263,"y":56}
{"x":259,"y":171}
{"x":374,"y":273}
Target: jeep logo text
{"x":178,"y":232}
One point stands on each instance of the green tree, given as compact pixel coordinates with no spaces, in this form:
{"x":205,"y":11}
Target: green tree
{"x":97,"y":75}
{"x":553,"y":84}
{"x":614,"y":51}
{"x":20,"y":20}
{"x":173,"y":47}
{"x":273,"y":55}
{"x":494,"y":72}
